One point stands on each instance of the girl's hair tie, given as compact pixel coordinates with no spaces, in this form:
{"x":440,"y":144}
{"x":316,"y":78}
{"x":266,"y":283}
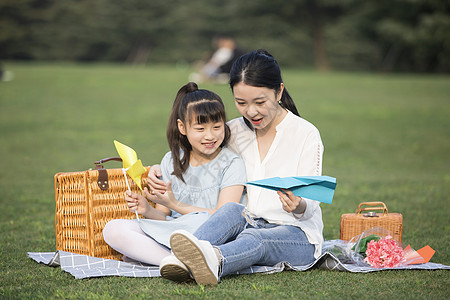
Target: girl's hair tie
{"x":191,"y":87}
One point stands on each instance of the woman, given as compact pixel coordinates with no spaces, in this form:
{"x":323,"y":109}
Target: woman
{"x":275,"y":226}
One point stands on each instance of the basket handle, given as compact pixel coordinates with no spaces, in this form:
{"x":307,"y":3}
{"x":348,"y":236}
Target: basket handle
{"x":99,"y":163}
{"x":383,"y":207}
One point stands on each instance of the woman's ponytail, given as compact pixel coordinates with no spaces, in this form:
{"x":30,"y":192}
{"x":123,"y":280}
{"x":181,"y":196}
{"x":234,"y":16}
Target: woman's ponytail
{"x":288,"y":103}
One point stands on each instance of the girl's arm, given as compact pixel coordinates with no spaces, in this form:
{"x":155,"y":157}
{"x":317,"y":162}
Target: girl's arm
{"x":228,"y":194}
{"x":139,"y":203}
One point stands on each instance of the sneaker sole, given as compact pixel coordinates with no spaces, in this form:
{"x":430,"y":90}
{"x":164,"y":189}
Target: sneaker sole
{"x":175,"y":273}
{"x":188,"y":252}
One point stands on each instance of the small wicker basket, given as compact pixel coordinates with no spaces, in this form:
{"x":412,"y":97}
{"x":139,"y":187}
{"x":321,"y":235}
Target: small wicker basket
{"x":85,"y":202}
{"x":354,"y":224}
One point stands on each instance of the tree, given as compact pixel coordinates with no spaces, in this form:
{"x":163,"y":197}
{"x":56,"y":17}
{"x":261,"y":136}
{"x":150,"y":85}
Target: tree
{"x":387,"y":35}
{"x":411,"y":34}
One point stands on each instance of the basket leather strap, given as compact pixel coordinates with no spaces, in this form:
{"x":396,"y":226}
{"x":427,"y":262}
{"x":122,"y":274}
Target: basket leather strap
{"x":102,"y":180}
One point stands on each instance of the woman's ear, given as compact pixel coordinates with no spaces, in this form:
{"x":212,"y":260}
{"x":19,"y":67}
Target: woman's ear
{"x":280,"y":93}
{"x":181,"y":127}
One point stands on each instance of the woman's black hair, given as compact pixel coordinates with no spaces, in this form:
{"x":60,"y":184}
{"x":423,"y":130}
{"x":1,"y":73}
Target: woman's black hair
{"x":260,"y":69}
{"x":191,"y":102}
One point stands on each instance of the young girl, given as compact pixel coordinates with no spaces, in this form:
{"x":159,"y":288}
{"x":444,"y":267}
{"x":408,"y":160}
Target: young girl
{"x":276,"y":226}
{"x":201,"y":175}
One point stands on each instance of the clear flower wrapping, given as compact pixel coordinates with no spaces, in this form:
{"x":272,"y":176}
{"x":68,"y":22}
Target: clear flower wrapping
{"x":375,"y":248}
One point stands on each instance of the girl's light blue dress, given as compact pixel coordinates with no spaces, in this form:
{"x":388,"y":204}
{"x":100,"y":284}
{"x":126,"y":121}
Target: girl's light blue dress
{"x":201,"y":188}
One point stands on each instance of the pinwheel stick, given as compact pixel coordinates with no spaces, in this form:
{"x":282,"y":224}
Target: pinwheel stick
{"x":128,"y":185}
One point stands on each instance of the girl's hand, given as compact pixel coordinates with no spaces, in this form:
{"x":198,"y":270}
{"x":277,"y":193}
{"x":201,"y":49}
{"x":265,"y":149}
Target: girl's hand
{"x":167,"y":199}
{"x":154,"y":183}
{"x":291,"y":203}
{"x":137,"y":202}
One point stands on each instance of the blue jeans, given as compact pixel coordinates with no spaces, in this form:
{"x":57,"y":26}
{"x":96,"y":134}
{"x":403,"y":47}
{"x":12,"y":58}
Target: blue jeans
{"x":244,"y":241}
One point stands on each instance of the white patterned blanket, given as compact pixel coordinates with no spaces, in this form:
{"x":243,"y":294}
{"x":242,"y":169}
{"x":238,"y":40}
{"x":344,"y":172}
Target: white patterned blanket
{"x":82,"y":266}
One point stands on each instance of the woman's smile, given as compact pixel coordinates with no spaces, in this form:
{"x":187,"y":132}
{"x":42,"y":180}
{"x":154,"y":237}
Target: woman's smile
{"x":256,"y":122}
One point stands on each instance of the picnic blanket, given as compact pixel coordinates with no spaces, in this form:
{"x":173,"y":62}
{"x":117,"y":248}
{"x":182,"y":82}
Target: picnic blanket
{"x":83,"y":266}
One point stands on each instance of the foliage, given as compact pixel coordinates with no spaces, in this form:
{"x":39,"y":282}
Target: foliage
{"x":386,"y":35}
{"x":412,"y":35}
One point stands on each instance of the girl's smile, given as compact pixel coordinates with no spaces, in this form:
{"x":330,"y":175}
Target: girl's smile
{"x":210,"y":145}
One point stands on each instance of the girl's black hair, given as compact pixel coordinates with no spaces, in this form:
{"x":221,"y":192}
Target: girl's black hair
{"x":191,"y":102}
{"x":260,"y":69}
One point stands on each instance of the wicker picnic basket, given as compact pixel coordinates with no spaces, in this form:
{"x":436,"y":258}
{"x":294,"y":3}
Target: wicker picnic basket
{"x":354,"y":224}
{"x":85,"y":202}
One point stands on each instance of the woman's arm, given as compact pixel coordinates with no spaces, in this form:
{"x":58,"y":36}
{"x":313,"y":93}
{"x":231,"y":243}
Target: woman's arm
{"x":310,"y":164}
{"x":228,"y":194}
{"x":292,"y":203}
{"x":154,"y":182}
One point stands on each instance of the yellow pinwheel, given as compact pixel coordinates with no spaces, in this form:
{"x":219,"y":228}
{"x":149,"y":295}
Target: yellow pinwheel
{"x":131,"y":165}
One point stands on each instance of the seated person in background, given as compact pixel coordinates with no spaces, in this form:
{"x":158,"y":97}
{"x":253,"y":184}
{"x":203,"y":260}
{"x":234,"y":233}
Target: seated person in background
{"x":5,"y":75}
{"x":218,"y":67}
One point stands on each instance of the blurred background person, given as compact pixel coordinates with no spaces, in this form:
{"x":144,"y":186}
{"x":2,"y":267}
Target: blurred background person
{"x":5,"y":75}
{"x":218,"y":67}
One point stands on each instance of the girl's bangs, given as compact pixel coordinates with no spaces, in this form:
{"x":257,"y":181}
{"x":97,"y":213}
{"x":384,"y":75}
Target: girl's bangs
{"x":205,"y":112}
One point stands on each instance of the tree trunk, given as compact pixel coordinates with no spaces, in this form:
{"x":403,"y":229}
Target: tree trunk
{"x":140,"y":54}
{"x":320,"y":54}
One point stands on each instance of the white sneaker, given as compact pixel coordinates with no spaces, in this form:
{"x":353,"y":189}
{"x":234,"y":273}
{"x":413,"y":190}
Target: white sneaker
{"x":173,"y":269}
{"x":198,"y":256}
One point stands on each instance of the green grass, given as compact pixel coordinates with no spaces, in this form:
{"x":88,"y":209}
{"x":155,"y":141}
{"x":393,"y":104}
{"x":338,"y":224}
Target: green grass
{"x":386,"y":137}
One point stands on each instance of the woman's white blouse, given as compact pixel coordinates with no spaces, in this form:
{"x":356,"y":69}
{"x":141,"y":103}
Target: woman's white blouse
{"x":296,"y":151}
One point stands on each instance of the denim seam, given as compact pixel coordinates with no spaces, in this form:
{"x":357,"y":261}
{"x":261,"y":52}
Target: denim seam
{"x":285,"y":242}
{"x":219,"y":242}
{"x":243,"y":253}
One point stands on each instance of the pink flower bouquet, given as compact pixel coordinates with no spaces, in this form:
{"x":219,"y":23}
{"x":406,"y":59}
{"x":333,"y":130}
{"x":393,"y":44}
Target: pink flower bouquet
{"x":385,"y":253}
{"x":377,"y":248}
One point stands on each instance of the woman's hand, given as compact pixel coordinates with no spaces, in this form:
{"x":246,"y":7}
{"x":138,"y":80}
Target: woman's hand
{"x":155,"y":184}
{"x":167,"y":199}
{"x":137,"y":202}
{"x":291,"y":203}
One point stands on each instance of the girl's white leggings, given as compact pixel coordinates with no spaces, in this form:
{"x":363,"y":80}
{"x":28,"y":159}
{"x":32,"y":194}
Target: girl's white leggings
{"x":126,"y":237}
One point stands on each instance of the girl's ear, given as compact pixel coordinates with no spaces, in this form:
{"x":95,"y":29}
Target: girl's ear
{"x":181,"y":127}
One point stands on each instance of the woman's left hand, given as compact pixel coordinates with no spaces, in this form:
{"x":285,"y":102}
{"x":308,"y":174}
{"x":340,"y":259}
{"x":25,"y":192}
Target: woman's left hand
{"x":291,"y":203}
{"x":167,"y":199}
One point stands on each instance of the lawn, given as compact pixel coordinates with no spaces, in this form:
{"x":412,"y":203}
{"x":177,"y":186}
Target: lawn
{"x":386,"y":137}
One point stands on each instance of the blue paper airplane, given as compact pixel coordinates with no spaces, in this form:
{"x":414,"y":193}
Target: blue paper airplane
{"x":319,"y":188}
